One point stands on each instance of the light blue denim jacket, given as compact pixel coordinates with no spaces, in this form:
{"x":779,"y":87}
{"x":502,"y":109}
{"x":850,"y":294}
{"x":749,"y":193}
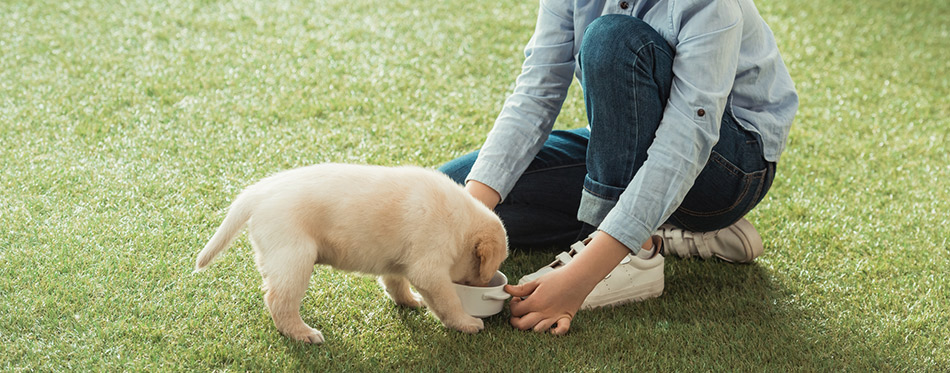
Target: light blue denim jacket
{"x":725,"y":54}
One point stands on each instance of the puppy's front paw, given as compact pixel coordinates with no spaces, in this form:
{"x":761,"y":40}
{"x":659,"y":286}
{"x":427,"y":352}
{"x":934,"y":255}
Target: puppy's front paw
{"x":407,"y":299}
{"x":413,"y":300}
{"x":470,"y":325}
{"x":416,"y":302}
{"x":308,"y":335}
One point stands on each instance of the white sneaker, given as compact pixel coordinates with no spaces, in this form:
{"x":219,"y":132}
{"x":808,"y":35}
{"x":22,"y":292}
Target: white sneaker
{"x":737,"y":243}
{"x":635,"y":278}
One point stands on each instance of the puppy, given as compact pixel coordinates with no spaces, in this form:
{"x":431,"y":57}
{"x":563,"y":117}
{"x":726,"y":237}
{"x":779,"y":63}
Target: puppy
{"x":409,"y":225}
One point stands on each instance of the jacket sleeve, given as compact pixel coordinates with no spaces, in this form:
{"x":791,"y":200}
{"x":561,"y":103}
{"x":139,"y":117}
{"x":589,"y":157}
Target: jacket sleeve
{"x":529,"y":112}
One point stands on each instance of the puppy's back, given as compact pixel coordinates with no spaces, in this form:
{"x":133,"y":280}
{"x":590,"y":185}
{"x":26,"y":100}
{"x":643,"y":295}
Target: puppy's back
{"x":349,"y":186}
{"x":365,"y":216}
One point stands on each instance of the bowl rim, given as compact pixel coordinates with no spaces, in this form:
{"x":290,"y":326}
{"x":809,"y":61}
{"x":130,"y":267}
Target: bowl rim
{"x":503,"y":277}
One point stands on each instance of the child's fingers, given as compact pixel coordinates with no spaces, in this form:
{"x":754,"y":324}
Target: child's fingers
{"x":518,"y":307}
{"x":526,"y":322}
{"x":563,"y":325}
{"x":521,"y":290}
{"x":521,"y":307}
{"x":544,"y":325}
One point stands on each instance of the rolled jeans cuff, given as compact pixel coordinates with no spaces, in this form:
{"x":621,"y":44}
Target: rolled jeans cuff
{"x":594,"y":209}
{"x":596,"y":201}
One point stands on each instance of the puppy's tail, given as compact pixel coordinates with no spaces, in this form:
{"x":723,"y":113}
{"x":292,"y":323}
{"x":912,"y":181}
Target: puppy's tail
{"x":238,"y":215}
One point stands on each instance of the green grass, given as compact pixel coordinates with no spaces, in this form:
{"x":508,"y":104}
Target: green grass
{"x":127,"y":127}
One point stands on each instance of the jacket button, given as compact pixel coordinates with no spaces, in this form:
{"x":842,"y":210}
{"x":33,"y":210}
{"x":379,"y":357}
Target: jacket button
{"x":701,"y":112}
{"x":624,"y":5}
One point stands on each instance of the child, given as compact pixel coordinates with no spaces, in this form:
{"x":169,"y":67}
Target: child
{"x":689,"y":106}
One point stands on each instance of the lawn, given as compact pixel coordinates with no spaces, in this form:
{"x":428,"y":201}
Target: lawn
{"x":127,"y":127}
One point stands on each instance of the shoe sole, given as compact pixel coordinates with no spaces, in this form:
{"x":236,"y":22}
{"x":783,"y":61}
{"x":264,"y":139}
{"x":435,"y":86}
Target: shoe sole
{"x":650,"y":290}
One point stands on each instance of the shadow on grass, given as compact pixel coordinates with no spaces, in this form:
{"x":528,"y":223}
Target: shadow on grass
{"x":712,"y":315}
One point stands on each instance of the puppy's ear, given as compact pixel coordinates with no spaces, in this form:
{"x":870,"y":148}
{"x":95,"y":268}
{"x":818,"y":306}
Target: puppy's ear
{"x":490,"y":251}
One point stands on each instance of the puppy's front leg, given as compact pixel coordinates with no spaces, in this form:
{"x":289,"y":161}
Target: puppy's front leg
{"x":440,"y":296}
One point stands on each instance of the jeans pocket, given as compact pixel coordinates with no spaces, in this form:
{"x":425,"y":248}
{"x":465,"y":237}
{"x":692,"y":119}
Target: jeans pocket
{"x":722,"y":194}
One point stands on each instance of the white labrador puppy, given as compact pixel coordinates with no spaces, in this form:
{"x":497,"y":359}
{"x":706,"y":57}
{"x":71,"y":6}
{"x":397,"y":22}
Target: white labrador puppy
{"x":408,"y":225}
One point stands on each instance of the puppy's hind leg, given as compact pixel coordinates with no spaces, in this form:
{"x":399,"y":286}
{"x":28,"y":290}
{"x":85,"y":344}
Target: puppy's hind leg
{"x":398,"y":289}
{"x":286,"y":278}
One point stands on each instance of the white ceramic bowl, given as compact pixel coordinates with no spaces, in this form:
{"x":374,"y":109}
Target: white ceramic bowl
{"x":484,"y":301}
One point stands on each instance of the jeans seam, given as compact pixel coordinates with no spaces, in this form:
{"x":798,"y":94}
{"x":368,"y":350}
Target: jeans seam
{"x":745,"y":190}
{"x":598,"y":195}
{"x":758,"y":191}
{"x":553,"y":168}
{"x":653,"y":45}
{"x":747,"y":181}
{"x":728,"y":166}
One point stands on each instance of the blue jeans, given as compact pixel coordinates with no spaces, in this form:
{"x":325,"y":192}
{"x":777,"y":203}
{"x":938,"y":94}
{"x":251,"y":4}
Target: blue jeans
{"x":546,"y":207}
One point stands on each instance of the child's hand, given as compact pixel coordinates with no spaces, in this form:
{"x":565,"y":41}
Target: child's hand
{"x":555,"y":297}
{"x":546,"y":304}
